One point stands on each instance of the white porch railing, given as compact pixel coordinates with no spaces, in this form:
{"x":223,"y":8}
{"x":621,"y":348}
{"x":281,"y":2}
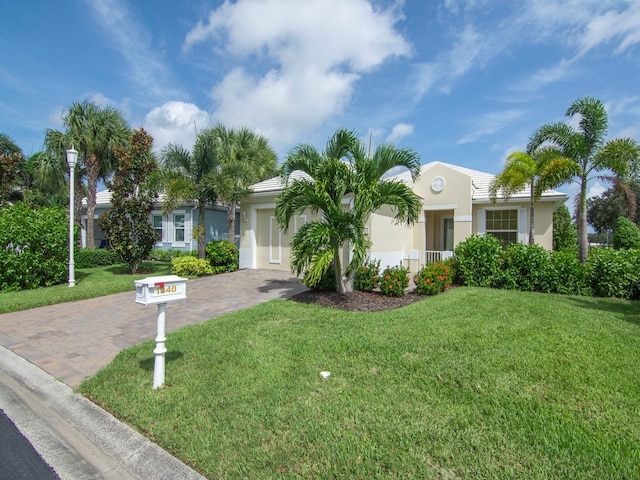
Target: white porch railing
{"x":433,"y":256}
{"x":416,"y":259}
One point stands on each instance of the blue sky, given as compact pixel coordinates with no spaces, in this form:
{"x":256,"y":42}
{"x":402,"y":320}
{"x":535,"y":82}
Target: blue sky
{"x":459,"y":81}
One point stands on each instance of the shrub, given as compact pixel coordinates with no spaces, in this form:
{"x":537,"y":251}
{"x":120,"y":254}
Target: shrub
{"x":566,"y":275}
{"x":394,"y":281}
{"x":479,"y":260}
{"x":223,"y":256}
{"x":614,"y":272}
{"x":87,"y":258}
{"x":524,"y":267}
{"x":367,"y":276}
{"x":189,"y":266}
{"x":627,"y":234}
{"x":34,"y":246}
{"x":434,"y":278}
{"x":326,"y":284}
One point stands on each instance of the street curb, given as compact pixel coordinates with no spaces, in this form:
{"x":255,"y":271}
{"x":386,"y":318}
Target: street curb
{"x":78,"y":439}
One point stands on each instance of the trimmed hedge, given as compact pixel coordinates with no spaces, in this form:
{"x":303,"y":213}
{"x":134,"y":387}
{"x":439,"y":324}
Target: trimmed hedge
{"x":607,"y":273}
{"x":34,"y":247}
{"x":86,"y":258}
{"x":189,"y":266}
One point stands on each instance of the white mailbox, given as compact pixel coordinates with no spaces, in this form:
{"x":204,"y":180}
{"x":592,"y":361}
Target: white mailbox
{"x":162,"y":289}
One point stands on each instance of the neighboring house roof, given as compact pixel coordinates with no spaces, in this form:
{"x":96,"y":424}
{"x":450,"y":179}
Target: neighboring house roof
{"x":479,"y":180}
{"x":275,"y":184}
{"x":103,"y":199}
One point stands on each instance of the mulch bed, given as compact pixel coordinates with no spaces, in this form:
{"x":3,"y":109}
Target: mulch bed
{"x":357,"y":301}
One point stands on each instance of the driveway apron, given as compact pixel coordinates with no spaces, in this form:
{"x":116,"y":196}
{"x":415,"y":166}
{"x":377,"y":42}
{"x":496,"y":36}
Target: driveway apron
{"x":74,"y":340}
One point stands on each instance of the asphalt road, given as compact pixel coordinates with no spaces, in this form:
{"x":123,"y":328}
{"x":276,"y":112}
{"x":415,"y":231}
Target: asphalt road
{"x":18,"y":459}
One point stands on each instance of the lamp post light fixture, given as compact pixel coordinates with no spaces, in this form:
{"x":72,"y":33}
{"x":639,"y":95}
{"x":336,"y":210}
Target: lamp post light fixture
{"x":72,"y":160}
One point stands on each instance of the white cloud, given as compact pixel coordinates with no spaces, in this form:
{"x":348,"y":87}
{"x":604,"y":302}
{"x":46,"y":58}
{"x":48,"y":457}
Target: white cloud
{"x":177,"y":123}
{"x":313,"y":61}
{"x":596,"y":189}
{"x":563,"y":70}
{"x":622,"y":25}
{"x":133,"y":41}
{"x":399,"y":131}
{"x":469,"y":50}
{"x":489,"y":124}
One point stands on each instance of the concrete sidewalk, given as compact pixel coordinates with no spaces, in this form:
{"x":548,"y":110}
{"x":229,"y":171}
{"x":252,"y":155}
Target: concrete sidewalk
{"x":69,"y":342}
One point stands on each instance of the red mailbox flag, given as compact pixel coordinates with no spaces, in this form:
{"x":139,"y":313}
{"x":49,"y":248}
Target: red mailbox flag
{"x":159,"y":284}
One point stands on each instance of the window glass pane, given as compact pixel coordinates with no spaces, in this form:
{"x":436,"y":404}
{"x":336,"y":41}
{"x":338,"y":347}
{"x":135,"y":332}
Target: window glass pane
{"x":178,"y":226}
{"x":157,"y":226}
{"x":503,"y":224}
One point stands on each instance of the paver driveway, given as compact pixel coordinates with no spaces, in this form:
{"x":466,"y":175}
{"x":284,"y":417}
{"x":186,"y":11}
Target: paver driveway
{"x":74,"y":340}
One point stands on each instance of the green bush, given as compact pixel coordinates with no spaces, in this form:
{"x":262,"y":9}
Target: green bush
{"x":188,"y":266}
{"x":87,"y":258}
{"x":566,"y":275}
{"x":394,"y":281}
{"x":524,"y":267}
{"x":627,"y":234}
{"x":479,"y":261}
{"x":34,"y":247}
{"x":326,"y":284}
{"x":435,"y":278}
{"x":223,"y":256}
{"x":614,"y":273}
{"x":367,"y":276}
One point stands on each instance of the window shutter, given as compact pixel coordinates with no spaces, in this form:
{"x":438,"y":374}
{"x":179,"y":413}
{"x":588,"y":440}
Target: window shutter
{"x":523,"y":223}
{"x":482,"y":221}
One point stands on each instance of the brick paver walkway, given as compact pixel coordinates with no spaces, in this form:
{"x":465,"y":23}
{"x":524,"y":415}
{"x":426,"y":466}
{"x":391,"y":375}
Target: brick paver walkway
{"x":74,"y":340}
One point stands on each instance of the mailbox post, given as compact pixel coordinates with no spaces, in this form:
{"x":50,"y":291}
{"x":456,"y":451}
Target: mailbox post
{"x":160,"y":291}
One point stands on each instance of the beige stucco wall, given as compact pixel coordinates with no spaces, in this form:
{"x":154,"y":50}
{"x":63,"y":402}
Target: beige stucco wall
{"x":262,"y":245}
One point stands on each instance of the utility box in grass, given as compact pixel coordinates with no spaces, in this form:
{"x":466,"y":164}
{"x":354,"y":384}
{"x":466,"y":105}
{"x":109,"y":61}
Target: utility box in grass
{"x":162,"y":289}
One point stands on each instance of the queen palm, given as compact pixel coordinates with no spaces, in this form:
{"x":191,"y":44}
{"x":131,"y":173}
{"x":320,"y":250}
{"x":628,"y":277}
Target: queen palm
{"x":588,"y":148}
{"x":539,"y":169}
{"x":344,"y":186}
{"x":93,"y":132}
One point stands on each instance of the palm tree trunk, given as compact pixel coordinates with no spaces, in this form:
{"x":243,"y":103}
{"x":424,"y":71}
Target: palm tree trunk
{"x":231,"y":221}
{"x":583,"y":238}
{"x":93,"y":172}
{"x":531,"y":222}
{"x":337,"y":267}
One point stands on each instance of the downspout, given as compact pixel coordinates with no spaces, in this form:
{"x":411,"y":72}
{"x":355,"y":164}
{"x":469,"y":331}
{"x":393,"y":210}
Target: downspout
{"x":191,"y":239}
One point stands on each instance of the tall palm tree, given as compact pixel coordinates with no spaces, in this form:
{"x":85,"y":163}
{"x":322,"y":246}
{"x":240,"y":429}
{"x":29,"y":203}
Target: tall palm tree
{"x":242,"y":159}
{"x":345,"y":186}
{"x":93,"y":132}
{"x":540,"y":170}
{"x":588,"y":148}
{"x":189,"y":177}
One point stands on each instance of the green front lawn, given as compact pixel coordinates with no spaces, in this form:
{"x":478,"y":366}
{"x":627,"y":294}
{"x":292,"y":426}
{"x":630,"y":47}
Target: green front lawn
{"x":473,"y":383}
{"x":90,"y":283}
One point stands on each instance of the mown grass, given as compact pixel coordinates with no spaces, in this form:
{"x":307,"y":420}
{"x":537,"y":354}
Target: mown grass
{"x":90,"y":283}
{"x":473,"y":383}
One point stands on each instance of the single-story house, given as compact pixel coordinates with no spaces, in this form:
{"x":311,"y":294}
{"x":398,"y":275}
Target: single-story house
{"x":456,"y":204}
{"x":174,"y":230}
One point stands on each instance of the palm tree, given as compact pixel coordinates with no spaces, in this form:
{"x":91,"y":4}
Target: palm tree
{"x":345,"y":186}
{"x":94,"y":132}
{"x":540,"y":169}
{"x":189,"y":177}
{"x":588,"y":148}
{"x":242,"y":159}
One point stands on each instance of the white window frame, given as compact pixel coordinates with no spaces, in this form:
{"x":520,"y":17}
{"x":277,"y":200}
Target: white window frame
{"x":172,"y":228}
{"x":521,"y":218}
{"x":163,"y":227}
